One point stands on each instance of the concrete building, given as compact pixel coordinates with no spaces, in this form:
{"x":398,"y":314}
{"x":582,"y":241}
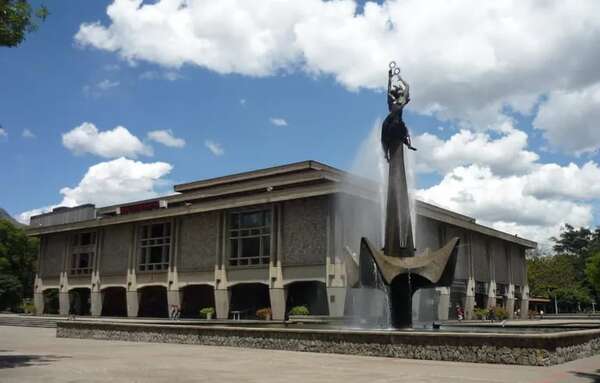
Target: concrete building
{"x":275,"y":237}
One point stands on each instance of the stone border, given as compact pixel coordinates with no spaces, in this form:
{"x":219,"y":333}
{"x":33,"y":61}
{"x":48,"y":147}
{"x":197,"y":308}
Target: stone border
{"x":523,"y":349}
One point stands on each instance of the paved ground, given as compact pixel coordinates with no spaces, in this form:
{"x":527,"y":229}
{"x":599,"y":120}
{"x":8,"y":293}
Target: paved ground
{"x":36,"y":355}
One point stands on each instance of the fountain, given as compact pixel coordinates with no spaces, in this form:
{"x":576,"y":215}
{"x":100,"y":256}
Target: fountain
{"x":402,"y":271}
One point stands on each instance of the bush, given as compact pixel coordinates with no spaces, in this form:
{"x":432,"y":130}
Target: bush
{"x":28,"y":307}
{"x":481,"y":313}
{"x":264,"y":313}
{"x":299,"y":310}
{"x":206,"y":311}
{"x":500,"y":313}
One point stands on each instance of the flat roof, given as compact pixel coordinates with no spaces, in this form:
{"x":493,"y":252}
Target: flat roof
{"x":278,"y":183}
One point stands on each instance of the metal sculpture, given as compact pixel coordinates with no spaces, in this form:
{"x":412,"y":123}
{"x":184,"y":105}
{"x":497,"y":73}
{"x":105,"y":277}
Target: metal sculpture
{"x":397,"y":263}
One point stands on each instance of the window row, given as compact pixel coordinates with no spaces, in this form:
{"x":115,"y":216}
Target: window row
{"x":249,"y":238}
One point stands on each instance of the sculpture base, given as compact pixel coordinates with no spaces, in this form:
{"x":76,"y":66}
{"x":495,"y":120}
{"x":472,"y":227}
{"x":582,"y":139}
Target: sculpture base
{"x":401,"y":277}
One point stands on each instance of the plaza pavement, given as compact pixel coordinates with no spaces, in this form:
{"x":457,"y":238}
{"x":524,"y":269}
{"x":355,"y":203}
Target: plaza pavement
{"x":36,"y":355}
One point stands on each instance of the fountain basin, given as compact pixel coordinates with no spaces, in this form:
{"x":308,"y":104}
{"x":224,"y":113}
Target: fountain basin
{"x":524,"y":348}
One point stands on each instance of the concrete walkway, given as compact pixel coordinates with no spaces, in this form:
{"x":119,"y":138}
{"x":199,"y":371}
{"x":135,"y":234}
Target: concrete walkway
{"x":36,"y":355}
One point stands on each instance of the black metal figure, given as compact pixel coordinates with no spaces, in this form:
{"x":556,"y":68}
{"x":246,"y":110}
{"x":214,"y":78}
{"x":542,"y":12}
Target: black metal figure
{"x":394,"y":129}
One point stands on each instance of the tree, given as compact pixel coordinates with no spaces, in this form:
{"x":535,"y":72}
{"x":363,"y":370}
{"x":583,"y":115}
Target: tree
{"x":18,"y":254}
{"x":592,"y":271}
{"x":549,"y":273}
{"x":18,"y":18}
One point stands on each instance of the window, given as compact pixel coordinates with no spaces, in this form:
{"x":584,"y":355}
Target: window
{"x":155,"y":242}
{"x":83,"y":248}
{"x":250,"y":238}
{"x":481,"y":287}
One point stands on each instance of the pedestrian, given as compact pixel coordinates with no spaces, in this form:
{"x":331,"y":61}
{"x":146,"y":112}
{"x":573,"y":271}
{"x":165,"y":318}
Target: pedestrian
{"x":459,"y":313}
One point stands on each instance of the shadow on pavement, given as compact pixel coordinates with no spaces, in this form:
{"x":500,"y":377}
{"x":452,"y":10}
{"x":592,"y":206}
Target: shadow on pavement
{"x":593,"y":377}
{"x":12,"y":361}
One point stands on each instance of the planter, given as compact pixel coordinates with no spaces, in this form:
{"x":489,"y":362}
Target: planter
{"x":209,"y":316}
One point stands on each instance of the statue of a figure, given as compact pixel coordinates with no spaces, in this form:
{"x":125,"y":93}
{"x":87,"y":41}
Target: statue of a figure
{"x":394,"y":130}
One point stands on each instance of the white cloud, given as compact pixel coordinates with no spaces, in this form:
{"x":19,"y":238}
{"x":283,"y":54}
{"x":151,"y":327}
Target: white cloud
{"x":166,"y":138}
{"x":99,"y":88}
{"x":507,"y":202}
{"x":27,"y":134}
{"x":278,"y":121}
{"x":3,"y":133}
{"x":109,"y":144}
{"x":112,"y":182}
{"x":466,"y":73}
{"x":215,"y":148}
{"x":165,"y":75}
{"x":504,"y":155}
{"x":107,"y":84}
{"x":571,"y":181}
{"x":570,"y":119}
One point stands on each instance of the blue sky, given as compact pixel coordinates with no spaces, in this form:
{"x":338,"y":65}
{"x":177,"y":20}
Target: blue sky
{"x":327,"y":87}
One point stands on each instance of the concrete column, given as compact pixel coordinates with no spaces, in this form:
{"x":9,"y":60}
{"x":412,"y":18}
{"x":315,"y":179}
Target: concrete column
{"x":470,"y":299}
{"x":278,"y":298}
{"x":132,"y":303}
{"x":173,"y":298}
{"x":525,"y":303}
{"x":38,"y":301}
{"x":443,"y":302}
{"x":222,"y":298}
{"x":64,"y":303}
{"x":510,"y":301}
{"x":491,"y":298}
{"x":96,"y":306}
{"x":336,"y":299}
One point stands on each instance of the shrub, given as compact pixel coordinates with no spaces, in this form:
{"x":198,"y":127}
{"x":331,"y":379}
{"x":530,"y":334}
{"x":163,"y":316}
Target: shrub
{"x":299,"y":310}
{"x":28,"y":307}
{"x":501,"y":314}
{"x":206,"y":311}
{"x":264,"y":313}
{"x":481,"y":313}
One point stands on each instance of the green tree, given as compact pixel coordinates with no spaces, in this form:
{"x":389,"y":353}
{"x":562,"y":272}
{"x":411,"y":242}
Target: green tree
{"x":17,"y":18}
{"x":547,"y":273}
{"x":18,"y":254}
{"x":592,"y":270}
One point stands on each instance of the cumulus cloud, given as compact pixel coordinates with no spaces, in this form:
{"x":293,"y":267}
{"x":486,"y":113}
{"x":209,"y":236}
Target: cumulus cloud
{"x":166,"y":138}
{"x":278,"y":121}
{"x":3,"y":133}
{"x":570,"y":119}
{"x":508,"y":202}
{"x":215,"y":148}
{"x":466,"y":74}
{"x":571,"y":181}
{"x":112,"y":182}
{"x":27,"y":134}
{"x":504,"y":155}
{"x":108,"y":144}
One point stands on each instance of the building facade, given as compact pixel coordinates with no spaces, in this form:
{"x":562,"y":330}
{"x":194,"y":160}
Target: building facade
{"x":275,"y":237}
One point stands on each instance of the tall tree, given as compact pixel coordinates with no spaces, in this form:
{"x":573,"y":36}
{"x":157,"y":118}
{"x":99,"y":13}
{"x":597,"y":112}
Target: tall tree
{"x":17,"y":18}
{"x":592,"y":271}
{"x":18,"y":254}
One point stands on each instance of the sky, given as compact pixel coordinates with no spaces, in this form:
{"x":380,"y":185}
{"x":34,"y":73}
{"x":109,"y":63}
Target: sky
{"x":119,"y":100}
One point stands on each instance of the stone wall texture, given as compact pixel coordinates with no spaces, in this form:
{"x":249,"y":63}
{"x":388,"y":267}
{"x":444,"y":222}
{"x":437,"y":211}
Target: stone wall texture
{"x":305,"y":231}
{"x":53,"y":253}
{"x":198,"y":236}
{"x":462,"y":262}
{"x":479,"y":348}
{"x":481,"y":265}
{"x":117,"y":241}
{"x":500,"y":261}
